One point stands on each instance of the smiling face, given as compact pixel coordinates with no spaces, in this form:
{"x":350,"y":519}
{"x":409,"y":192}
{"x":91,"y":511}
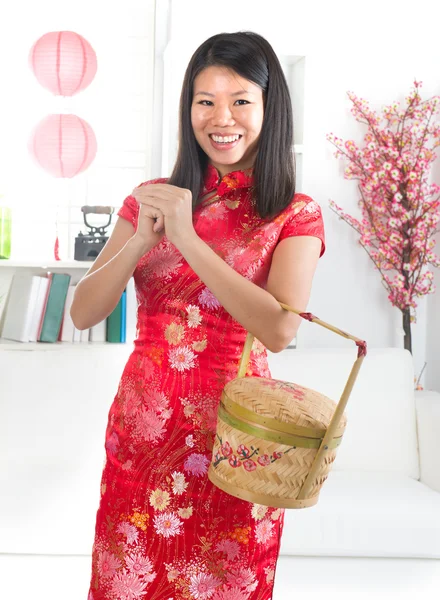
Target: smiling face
{"x":227,"y":115}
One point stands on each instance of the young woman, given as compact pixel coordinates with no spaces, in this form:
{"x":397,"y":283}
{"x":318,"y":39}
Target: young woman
{"x":212,"y":250}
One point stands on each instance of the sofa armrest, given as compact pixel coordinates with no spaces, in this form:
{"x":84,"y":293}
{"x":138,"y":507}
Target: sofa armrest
{"x":428,"y":432}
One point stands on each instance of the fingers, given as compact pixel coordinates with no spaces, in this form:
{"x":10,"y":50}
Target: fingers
{"x":157,"y":193}
{"x":152,"y":213}
{"x":159,"y":224}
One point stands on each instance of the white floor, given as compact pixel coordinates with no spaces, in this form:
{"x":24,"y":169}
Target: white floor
{"x":30,"y":577}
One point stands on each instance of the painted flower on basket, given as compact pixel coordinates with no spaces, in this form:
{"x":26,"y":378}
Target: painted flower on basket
{"x":243,"y":451}
{"x":226,"y":449}
{"x":244,"y":456}
{"x":249,"y":465}
{"x":264,"y":460}
{"x":233,"y":461}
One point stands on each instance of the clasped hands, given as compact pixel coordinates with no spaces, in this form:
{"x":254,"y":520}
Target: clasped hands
{"x":168,"y":209}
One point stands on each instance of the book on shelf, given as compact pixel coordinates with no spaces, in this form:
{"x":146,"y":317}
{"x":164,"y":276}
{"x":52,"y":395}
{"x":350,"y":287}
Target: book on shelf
{"x":85,"y":336}
{"x":39,"y":305}
{"x":114,"y":323}
{"x":98,"y":333}
{"x":20,"y":308}
{"x":68,"y":327}
{"x":54,"y":308}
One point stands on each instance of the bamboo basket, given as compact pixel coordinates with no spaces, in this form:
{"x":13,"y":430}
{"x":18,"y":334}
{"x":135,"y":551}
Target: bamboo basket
{"x":276,"y":441}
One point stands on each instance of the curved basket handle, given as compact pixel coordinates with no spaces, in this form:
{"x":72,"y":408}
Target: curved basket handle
{"x":339,"y":411}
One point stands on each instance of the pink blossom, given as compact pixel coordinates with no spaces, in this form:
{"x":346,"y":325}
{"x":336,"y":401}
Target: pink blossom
{"x":129,"y":531}
{"x":181,"y":358}
{"x":150,"y":426}
{"x":243,"y":451}
{"x":108,"y":564}
{"x":264,"y":531}
{"x":234,"y":462}
{"x":196,"y":464}
{"x":128,"y":586}
{"x":226,"y":449}
{"x":242,"y":578}
{"x":264,"y":460}
{"x":230,"y":547}
{"x":155,"y":400}
{"x":112,"y":443}
{"x":400,"y":207}
{"x":231,"y":594}
{"x":167,"y":524}
{"x":203,"y":585}
{"x":141,"y":565}
{"x":208,"y":300}
{"x":249,"y":465}
{"x":163,"y":261}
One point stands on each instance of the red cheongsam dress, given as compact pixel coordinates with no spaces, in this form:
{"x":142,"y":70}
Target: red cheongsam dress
{"x":163,"y":531}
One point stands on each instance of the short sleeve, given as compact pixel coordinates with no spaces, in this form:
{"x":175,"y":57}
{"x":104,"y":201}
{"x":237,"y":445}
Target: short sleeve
{"x":130,"y":207}
{"x":129,"y":210}
{"x":305,"y":218}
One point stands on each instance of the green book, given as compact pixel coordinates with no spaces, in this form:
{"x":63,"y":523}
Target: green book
{"x":54,"y":309}
{"x":114,"y":321}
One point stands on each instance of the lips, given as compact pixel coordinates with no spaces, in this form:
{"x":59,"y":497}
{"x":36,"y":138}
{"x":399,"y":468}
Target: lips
{"x":224,"y":138}
{"x":230,"y":141}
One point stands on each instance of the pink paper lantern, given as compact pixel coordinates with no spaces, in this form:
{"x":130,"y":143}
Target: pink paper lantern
{"x":63,"y":145}
{"x":63,"y":62}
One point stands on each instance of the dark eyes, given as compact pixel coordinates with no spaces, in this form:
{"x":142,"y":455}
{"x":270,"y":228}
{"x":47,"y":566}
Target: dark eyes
{"x":210,"y":103}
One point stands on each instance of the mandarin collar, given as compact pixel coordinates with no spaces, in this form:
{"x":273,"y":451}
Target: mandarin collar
{"x":230,"y":181}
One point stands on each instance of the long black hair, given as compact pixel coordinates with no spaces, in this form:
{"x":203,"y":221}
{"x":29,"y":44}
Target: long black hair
{"x":251,"y":57}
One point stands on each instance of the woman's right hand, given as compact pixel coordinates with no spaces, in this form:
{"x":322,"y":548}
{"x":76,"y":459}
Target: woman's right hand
{"x":150,"y":227}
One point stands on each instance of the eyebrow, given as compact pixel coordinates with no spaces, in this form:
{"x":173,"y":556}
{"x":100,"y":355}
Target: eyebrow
{"x":240,"y":93}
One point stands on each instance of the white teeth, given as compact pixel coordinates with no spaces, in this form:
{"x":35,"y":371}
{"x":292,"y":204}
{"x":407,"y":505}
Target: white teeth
{"x":225,"y":139}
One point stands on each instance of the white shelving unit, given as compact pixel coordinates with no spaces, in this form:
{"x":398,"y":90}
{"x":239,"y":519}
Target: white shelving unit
{"x":76,"y":269}
{"x":46,"y":265}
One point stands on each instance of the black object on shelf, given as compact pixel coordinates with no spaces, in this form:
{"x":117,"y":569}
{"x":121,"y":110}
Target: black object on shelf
{"x":90,"y":244}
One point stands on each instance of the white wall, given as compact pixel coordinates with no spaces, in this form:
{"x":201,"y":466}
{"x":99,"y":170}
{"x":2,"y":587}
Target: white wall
{"x":117,"y":104}
{"x":375,"y":50}
{"x":433,"y":337}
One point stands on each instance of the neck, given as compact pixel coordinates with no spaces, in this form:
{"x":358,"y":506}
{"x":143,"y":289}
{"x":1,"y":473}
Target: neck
{"x":225,"y":169}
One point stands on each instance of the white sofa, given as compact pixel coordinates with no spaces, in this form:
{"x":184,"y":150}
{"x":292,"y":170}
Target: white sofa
{"x":382,"y":498}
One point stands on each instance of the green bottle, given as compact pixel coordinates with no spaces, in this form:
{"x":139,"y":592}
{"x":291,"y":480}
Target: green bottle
{"x":5,"y":232}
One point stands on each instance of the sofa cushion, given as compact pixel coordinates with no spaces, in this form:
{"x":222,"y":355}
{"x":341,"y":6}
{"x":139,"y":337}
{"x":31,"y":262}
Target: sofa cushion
{"x":367,"y":514}
{"x":381,"y":433}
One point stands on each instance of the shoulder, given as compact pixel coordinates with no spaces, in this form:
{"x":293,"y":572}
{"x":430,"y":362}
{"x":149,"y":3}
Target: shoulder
{"x":302,"y":217}
{"x":302,"y":205}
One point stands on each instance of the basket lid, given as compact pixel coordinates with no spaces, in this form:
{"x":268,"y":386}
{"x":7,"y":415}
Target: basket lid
{"x":283,"y":402}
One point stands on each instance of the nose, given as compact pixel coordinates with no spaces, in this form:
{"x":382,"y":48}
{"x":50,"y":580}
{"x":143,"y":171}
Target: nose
{"x":222,"y":116}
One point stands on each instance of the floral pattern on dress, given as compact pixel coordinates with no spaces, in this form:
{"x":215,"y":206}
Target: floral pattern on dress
{"x":163,"y":531}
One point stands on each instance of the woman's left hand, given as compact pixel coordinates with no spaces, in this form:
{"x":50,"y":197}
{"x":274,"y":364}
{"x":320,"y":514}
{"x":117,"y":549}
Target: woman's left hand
{"x":175,"y":204}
